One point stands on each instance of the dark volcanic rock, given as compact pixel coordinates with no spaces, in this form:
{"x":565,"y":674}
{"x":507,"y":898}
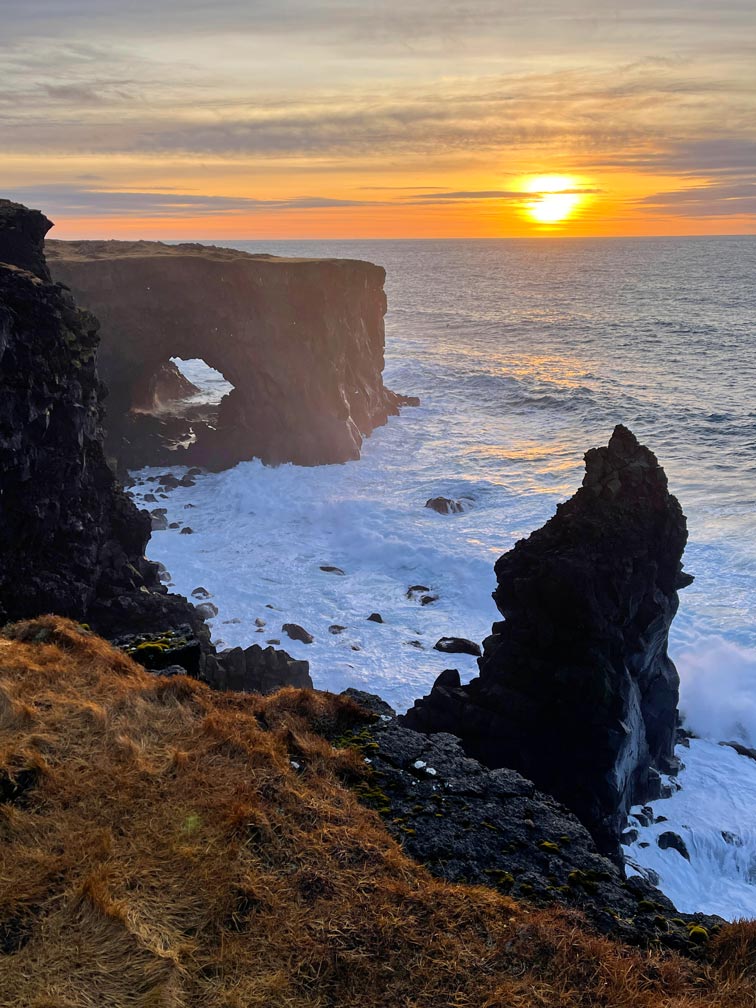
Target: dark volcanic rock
{"x":71,"y":541}
{"x":178,"y":647}
{"x":457,"y":645}
{"x":445,"y":505}
{"x":166,"y":385}
{"x":301,"y":340}
{"x":375,"y":617}
{"x":673,"y":841}
{"x":467,"y":823}
{"x":255,"y":670}
{"x":297,"y":633}
{"x":741,"y":749}
{"x":576,"y":690}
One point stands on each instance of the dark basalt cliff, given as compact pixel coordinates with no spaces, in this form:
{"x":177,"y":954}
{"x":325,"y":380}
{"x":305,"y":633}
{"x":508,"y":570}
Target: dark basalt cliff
{"x":71,"y":542}
{"x":576,"y":690}
{"x":301,"y":341}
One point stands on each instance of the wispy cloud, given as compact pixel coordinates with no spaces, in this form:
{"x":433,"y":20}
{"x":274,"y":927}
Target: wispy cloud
{"x":72,"y":200}
{"x":378,"y":89}
{"x":714,"y":200}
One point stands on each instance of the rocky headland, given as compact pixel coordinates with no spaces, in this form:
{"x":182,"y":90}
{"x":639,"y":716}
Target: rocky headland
{"x":218,"y":846}
{"x":576,"y":690}
{"x":301,"y":341}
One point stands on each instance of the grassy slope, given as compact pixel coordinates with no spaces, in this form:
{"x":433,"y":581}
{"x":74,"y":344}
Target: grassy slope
{"x":161,"y":851}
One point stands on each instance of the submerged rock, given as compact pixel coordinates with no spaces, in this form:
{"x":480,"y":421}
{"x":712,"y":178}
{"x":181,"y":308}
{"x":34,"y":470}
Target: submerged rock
{"x":445,"y":505}
{"x":576,"y":690}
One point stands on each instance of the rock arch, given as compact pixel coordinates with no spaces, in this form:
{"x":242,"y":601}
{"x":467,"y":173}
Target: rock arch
{"x":301,"y":341}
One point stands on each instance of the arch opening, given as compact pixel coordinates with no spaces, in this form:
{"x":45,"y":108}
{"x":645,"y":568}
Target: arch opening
{"x":171,"y":409}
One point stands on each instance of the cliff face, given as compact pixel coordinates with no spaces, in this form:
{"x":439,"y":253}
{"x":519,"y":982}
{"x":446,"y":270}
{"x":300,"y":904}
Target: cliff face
{"x":71,"y":542}
{"x":576,"y":690}
{"x":301,"y":341}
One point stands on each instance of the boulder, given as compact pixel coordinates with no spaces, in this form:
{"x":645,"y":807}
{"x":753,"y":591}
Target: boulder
{"x":673,"y":841}
{"x":158,"y":520}
{"x":445,"y":505}
{"x":297,"y":633}
{"x":457,"y":645}
{"x":576,"y":690}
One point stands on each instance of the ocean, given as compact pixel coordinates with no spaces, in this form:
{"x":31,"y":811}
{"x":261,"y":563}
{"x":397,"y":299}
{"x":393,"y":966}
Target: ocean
{"x":524,"y":353}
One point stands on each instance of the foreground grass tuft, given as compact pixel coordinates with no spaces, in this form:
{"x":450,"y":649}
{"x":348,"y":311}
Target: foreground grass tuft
{"x":163,"y":846}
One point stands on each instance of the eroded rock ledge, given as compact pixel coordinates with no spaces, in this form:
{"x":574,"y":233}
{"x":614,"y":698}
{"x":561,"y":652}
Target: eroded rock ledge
{"x":576,"y":690}
{"x":301,"y":341}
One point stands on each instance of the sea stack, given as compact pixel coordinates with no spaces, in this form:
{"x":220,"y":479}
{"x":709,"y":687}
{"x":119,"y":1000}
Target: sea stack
{"x":71,"y":541}
{"x":576,"y":690}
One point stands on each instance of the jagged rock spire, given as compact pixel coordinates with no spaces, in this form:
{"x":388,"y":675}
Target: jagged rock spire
{"x":576,"y":689}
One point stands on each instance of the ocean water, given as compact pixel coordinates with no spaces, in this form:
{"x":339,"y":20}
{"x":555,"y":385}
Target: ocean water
{"x":524,"y":354}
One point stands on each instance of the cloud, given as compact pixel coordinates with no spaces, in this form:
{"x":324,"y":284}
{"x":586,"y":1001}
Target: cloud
{"x":379,"y":87}
{"x":74,"y":200}
{"x":68,"y":200}
{"x":714,"y":200}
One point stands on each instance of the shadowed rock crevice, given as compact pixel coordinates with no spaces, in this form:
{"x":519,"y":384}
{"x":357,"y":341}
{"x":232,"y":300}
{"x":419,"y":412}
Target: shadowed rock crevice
{"x":301,"y":341}
{"x":576,"y":690}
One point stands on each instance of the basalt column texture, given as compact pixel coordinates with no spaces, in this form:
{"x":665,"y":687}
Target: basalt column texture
{"x":301,"y":341}
{"x":71,"y":542}
{"x":576,"y":690}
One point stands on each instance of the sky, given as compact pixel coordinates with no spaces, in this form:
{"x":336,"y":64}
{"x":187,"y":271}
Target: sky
{"x":210,"y":119}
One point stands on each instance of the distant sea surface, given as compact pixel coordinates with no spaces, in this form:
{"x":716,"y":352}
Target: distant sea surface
{"x":524,"y":354}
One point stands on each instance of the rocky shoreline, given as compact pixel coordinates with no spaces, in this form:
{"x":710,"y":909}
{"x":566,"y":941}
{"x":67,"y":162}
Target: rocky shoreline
{"x":521,"y":780}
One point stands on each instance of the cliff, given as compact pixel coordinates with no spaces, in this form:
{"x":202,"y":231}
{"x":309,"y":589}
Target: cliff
{"x":301,"y":341}
{"x":576,"y":690}
{"x":165,"y":845}
{"x":71,"y":542}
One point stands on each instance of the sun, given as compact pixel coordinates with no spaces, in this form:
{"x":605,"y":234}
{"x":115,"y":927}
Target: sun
{"x":554,"y":198}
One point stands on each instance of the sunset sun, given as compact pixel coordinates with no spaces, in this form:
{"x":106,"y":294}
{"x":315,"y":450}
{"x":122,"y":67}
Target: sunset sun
{"x":554,"y":198}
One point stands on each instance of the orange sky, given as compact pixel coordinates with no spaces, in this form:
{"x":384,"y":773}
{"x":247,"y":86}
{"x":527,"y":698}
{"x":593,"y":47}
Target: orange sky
{"x":348,"y":118}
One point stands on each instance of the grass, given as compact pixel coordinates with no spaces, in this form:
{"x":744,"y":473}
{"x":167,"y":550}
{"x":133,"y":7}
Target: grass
{"x":159,"y":849}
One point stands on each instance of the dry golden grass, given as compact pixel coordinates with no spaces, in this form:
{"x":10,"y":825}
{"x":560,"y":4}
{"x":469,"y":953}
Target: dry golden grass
{"x":169,"y":855}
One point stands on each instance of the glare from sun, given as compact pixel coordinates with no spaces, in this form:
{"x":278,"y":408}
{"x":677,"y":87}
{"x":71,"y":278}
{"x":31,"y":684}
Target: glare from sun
{"x":555,"y":198}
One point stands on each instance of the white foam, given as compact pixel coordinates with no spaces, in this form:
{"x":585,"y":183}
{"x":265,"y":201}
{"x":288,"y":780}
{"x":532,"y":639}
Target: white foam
{"x":718,"y":688}
{"x":262,"y":534}
{"x":714,"y":813}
